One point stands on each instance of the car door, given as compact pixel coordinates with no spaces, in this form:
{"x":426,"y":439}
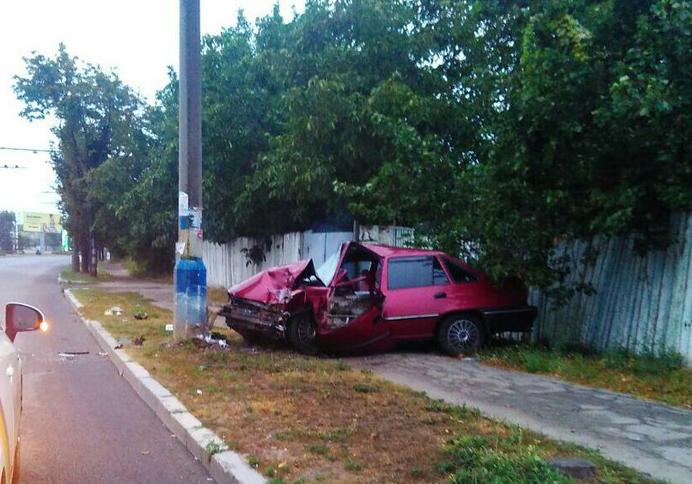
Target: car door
{"x":351,"y":314}
{"x":416,"y":294}
{"x":10,"y":398}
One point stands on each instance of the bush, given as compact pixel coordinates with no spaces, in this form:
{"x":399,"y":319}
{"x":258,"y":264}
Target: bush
{"x":475,"y":460}
{"x":644,"y":363}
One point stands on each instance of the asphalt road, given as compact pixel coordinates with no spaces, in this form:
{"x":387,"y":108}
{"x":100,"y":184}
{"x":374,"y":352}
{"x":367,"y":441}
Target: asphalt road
{"x":82,"y":422}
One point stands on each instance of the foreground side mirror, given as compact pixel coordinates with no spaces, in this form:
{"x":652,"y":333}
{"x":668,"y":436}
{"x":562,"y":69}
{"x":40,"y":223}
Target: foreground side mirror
{"x":22,"y":317}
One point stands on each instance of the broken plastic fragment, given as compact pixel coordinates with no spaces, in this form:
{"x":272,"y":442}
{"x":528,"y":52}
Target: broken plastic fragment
{"x":113,"y":311}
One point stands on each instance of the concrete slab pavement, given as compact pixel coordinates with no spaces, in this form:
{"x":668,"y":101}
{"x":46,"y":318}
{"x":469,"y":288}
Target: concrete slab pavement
{"x":653,"y":438}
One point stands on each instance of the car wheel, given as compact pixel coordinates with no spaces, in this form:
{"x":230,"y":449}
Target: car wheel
{"x":300,"y":333}
{"x":460,"y":333}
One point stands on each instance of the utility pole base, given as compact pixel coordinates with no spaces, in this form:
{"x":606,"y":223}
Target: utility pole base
{"x":190,"y":298}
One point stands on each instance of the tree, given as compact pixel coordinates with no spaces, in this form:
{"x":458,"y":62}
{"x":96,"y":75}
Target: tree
{"x":581,"y":118}
{"x":7,"y":231}
{"x":97,"y":120}
{"x":500,"y":130}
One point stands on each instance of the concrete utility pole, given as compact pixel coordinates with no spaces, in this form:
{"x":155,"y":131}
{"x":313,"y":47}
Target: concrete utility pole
{"x":190,"y":273}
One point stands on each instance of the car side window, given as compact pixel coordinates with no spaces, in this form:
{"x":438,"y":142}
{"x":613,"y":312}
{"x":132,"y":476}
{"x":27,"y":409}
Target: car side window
{"x":458,"y":273}
{"x":406,"y":272}
{"x":439,"y":276}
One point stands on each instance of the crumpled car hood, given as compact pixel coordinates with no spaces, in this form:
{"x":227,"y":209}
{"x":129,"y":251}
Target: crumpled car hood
{"x":274,"y":285}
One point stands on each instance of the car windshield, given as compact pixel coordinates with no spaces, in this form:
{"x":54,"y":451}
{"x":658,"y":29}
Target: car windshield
{"x":326,"y":271}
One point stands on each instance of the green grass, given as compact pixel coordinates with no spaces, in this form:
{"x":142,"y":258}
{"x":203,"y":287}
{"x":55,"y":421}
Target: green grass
{"x":479,"y":459}
{"x":659,"y":377}
{"x":71,"y":277}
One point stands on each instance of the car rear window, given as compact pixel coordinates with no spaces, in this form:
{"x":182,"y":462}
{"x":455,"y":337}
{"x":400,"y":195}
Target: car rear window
{"x":406,"y":272}
{"x":458,"y":273}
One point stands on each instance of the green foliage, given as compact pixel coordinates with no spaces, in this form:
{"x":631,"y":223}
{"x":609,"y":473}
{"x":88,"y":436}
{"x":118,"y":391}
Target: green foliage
{"x":7,"y":230}
{"x":658,"y":375}
{"x":646,"y":363}
{"x":478,"y":459}
{"x":579,"y":110}
{"x":98,"y":122}
{"x":500,"y":130}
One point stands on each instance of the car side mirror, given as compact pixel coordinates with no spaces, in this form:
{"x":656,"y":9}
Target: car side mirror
{"x":22,"y":317}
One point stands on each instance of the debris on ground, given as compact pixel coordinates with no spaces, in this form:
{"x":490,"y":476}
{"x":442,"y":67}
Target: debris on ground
{"x":140,"y":313}
{"x":73,"y":353}
{"x":122,"y":342}
{"x":199,"y":392}
{"x":213,"y":339}
{"x":169,"y":328}
{"x":139,"y":340}
{"x":113,"y":311}
{"x":103,"y":353}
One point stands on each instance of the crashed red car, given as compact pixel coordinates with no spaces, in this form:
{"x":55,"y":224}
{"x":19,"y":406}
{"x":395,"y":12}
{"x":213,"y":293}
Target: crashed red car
{"x":369,"y":297}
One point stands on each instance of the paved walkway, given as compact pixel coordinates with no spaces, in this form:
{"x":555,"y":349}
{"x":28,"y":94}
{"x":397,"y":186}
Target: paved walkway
{"x":160,"y":292}
{"x":652,"y":438}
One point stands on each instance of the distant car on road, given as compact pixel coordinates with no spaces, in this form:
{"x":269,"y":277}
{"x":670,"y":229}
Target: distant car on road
{"x":18,"y":318}
{"x":368,"y":297}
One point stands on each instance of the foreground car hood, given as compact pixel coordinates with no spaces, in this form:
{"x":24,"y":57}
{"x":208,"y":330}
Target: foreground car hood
{"x":274,"y":285}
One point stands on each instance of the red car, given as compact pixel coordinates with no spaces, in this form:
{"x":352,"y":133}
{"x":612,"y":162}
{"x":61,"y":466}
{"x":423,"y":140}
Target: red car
{"x":368,"y":297}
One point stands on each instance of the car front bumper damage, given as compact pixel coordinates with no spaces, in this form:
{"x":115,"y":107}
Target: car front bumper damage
{"x":243,"y":315}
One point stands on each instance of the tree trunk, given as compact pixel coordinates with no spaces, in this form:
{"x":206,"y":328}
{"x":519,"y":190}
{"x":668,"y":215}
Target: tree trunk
{"x":93,"y":267}
{"x":85,"y":251}
{"x":75,"y":257}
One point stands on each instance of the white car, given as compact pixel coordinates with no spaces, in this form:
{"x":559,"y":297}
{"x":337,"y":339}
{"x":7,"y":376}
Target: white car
{"x":18,"y":317}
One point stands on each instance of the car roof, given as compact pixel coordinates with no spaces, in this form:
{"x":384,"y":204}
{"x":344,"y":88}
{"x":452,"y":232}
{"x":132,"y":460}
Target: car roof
{"x":391,"y":251}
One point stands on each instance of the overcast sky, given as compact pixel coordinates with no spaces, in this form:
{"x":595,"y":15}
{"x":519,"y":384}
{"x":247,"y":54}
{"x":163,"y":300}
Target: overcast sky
{"x":138,"y":38}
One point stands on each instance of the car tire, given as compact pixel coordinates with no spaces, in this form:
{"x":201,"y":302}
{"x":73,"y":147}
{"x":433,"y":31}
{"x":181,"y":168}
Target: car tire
{"x":300,"y":333}
{"x":460,"y":333}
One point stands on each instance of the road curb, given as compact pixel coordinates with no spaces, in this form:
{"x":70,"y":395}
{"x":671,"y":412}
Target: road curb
{"x":226,"y":466}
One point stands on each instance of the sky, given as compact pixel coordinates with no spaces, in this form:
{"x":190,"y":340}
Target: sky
{"x":137,"y":38}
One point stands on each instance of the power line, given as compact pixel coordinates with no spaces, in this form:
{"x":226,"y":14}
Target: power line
{"x":33,"y":150}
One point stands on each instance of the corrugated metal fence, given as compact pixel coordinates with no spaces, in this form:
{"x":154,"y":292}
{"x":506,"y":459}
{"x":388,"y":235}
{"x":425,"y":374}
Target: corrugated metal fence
{"x":642,"y":303}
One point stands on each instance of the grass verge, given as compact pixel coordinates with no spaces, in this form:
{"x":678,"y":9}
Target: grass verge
{"x":656,"y":377}
{"x":303,"y":419}
{"x":71,"y":277}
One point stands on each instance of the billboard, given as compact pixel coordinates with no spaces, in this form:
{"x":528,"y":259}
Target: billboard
{"x":42,"y":222}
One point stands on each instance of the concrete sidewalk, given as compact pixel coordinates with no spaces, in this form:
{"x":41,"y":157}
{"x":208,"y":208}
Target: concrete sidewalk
{"x":653,"y":438}
{"x":159,"y":291}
